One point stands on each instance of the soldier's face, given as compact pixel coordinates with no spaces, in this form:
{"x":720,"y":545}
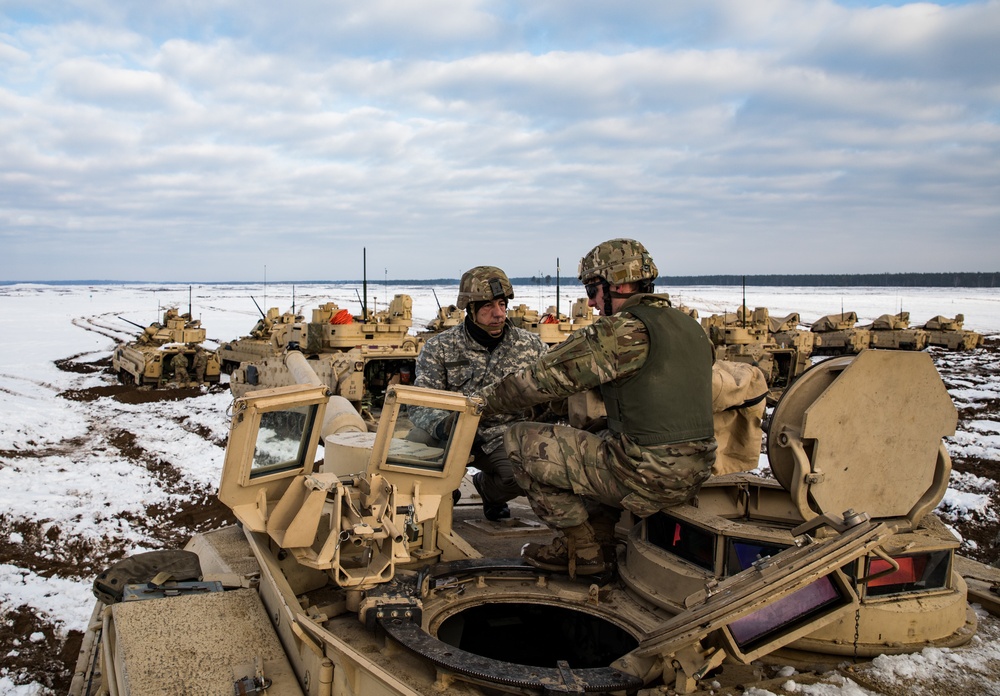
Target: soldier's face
{"x":492,"y":315}
{"x":595,"y":296}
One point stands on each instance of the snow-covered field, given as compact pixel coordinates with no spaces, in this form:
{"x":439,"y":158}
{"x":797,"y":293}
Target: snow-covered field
{"x":86,"y":478}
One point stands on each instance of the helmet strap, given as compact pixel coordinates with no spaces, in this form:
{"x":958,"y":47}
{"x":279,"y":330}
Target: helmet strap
{"x":607,"y":297}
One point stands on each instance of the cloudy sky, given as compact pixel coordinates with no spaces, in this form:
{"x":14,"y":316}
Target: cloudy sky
{"x":220,"y":140}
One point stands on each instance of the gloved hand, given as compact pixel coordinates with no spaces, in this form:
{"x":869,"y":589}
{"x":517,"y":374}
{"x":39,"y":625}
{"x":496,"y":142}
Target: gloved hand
{"x":443,"y":429}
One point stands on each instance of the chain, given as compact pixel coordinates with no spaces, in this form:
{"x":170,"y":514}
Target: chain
{"x":857,"y":624}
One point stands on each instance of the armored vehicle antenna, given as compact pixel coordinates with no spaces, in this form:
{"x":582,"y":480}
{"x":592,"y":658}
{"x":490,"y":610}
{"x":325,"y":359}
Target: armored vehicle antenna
{"x":436,"y":299}
{"x":364,"y":282}
{"x":744,"y":302}
{"x":557,"y":288}
{"x":190,"y":309}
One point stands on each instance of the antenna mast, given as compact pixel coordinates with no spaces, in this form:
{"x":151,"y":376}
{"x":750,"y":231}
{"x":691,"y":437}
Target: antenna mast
{"x":364,"y":283}
{"x":744,"y":312}
{"x":557,"y":288}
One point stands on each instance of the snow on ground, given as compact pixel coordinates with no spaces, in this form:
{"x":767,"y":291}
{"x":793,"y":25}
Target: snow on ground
{"x":97,"y":477}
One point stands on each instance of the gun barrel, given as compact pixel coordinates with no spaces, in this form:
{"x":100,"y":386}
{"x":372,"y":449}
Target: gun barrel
{"x":263,"y":316}
{"x":138,"y":326}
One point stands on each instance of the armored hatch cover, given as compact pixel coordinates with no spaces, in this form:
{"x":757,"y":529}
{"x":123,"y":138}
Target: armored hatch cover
{"x":864,"y":432}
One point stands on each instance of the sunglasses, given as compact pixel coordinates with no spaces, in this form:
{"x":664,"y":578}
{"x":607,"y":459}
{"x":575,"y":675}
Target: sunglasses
{"x":592,"y":289}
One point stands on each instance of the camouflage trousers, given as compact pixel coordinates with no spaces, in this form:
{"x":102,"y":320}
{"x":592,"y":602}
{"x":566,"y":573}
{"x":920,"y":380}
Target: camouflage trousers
{"x":564,"y":470}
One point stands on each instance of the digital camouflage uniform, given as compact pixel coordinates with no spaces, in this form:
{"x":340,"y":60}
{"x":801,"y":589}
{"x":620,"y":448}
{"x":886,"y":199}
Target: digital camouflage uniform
{"x":556,"y":465}
{"x":179,"y":363}
{"x":200,"y":365}
{"x":454,"y":361}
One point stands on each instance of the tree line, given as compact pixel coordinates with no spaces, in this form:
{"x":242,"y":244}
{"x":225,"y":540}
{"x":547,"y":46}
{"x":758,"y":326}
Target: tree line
{"x":916,"y":280}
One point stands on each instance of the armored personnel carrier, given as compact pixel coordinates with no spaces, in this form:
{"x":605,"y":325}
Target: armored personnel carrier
{"x":348,"y":575}
{"x":948,"y":333}
{"x":893,"y":331}
{"x":837,"y":334}
{"x":447,"y":317}
{"x":167,"y":353}
{"x":268,"y":337}
{"x":745,"y":336}
{"x":358,"y":357}
{"x":552,"y":326}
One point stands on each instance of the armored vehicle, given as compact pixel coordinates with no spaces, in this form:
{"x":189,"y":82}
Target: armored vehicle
{"x":948,"y":333}
{"x":750,"y":337}
{"x":358,"y":357}
{"x":553,"y":326}
{"x":893,"y":331}
{"x":837,"y":334}
{"x":167,"y":353}
{"x":447,"y":316}
{"x":268,"y":337}
{"x":348,"y":576}
{"x":785,"y":332}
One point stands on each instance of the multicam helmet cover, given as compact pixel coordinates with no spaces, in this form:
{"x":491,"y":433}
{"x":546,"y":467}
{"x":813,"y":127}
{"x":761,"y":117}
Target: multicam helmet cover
{"x":618,"y":261}
{"x":482,"y":284}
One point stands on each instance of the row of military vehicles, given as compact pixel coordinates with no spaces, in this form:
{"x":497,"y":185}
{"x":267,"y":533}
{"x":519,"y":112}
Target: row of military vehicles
{"x":350,"y":574}
{"x":360,"y":356}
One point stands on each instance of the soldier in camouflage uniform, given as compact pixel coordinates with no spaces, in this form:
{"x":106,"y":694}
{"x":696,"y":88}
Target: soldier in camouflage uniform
{"x":200,"y":364}
{"x":653,"y":366}
{"x":179,"y":363}
{"x":466,"y":358}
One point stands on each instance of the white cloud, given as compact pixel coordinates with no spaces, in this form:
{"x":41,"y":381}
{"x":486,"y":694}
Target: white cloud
{"x":135,"y":128}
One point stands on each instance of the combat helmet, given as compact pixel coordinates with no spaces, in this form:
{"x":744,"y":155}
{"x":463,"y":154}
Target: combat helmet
{"x":618,"y":261}
{"x":483,"y":284}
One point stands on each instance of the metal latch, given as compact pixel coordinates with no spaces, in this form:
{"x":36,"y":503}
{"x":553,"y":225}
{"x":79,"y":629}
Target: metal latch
{"x":251,"y":685}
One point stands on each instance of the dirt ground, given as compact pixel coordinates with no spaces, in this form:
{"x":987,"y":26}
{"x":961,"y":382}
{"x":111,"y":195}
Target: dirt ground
{"x":49,"y":660}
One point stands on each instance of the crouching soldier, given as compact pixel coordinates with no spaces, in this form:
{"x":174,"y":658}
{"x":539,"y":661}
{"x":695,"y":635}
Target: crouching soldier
{"x":653,"y":366}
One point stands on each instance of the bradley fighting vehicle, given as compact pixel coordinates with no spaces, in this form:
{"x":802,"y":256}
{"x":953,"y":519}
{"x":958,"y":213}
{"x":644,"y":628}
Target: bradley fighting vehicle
{"x":553,"y":326}
{"x":358,"y":357}
{"x":775,"y":345}
{"x":348,"y":574}
{"x":268,"y":337}
{"x":836,"y":334}
{"x":893,"y":331}
{"x":447,"y":316}
{"x":948,"y":333}
{"x":168,"y":352}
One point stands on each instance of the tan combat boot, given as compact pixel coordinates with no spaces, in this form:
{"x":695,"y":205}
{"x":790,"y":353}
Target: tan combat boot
{"x":576,"y":552}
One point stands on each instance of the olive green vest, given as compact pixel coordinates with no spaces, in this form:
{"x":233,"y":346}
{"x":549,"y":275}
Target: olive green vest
{"x":669,"y":400}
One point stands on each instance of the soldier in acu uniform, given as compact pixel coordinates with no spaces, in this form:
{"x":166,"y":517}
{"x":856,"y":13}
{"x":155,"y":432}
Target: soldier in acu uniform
{"x":653,"y":367}
{"x":466,"y":358}
{"x":180,"y":365}
{"x":200,"y":364}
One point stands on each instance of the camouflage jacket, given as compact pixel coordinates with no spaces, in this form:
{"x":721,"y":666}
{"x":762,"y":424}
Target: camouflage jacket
{"x":611,"y":348}
{"x":454,"y":362}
